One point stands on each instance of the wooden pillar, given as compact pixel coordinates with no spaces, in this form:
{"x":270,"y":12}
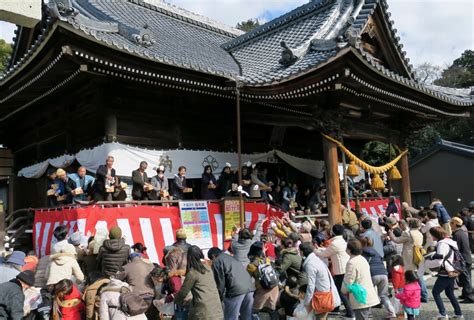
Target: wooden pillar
{"x":405,"y":192}
{"x":333,"y":193}
{"x":110,"y":127}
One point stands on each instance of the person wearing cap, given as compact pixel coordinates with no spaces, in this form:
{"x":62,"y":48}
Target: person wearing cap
{"x":181,"y":240}
{"x":53,"y":185}
{"x":226,"y":179}
{"x":462,"y":240}
{"x":12,"y":266}
{"x":160,"y":184}
{"x":179,"y":183}
{"x":66,"y":187}
{"x":12,"y":298}
{"x":83,"y":181}
{"x":114,"y":253}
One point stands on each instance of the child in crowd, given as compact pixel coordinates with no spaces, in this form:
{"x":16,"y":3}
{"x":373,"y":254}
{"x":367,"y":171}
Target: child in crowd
{"x":410,"y":297}
{"x":398,"y":274}
{"x":301,"y":313}
{"x":289,"y":297}
{"x":67,"y":301}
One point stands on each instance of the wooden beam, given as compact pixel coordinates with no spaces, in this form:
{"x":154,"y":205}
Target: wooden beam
{"x":332,"y":182}
{"x":405,"y":192}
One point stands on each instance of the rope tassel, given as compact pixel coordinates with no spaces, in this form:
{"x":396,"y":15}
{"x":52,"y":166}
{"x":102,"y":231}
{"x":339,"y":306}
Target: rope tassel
{"x":394,"y":174}
{"x":377,"y":182}
{"x":352,"y":170}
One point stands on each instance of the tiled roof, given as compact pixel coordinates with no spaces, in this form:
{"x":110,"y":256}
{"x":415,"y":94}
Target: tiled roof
{"x":461,"y":94}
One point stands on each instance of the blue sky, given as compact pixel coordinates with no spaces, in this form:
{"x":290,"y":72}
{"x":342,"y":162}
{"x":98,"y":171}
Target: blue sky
{"x":436,"y":31}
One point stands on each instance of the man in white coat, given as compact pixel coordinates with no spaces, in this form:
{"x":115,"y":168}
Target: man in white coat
{"x":319,"y":278}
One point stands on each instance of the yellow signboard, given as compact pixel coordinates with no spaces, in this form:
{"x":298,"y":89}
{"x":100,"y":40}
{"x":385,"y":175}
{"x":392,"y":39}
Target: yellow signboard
{"x":231,"y":216}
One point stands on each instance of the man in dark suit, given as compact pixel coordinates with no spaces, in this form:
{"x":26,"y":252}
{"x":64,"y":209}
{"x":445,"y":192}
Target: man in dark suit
{"x":104,"y":177}
{"x":140,"y":181}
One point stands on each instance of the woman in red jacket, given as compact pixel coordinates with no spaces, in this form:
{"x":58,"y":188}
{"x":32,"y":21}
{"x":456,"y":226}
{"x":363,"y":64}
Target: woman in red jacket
{"x":67,"y":301}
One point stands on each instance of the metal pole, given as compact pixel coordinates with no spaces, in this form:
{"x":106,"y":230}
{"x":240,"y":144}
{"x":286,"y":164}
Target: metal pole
{"x":239,"y":154}
{"x":389,"y":181}
{"x":346,"y":185}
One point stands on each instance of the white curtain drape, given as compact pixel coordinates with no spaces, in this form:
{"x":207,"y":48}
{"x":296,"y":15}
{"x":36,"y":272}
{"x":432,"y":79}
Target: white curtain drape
{"x":127,"y":159}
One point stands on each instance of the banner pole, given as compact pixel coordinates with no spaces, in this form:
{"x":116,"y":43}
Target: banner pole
{"x":239,"y":154}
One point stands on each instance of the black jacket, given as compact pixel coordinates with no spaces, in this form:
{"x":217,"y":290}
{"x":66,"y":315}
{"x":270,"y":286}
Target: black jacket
{"x":12,"y":299}
{"x":179,"y":184}
{"x":112,"y":256}
{"x":138,"y":181}
{"x":377,"y":267}
{"x":100,"y":178}
{"x":463,"y":244}
{"x":232,"y":279}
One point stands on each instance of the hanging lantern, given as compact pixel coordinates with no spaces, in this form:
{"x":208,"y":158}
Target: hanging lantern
{"x":377,"y":182}
{"x":352,"y":170}
{"x":394,"y":174}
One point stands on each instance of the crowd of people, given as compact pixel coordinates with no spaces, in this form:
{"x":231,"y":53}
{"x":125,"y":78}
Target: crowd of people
{"x":291,"y":269}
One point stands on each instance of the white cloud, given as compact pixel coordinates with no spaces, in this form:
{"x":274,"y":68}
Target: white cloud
{"x":7,"y":31}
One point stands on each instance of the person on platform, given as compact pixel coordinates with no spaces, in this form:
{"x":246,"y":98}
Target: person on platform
{"x":104,"y":179}
{"x":257,"y":184}
{"x":66,"y":188}
{"x":114,"y":253}
{"x":226,"y":179}
{"x":84,"y":182}
{"x":52,"y":185}
{"x":208,"y":184}
{"x":140,"y":182}
{"x":462,"y":240}
{"x":179,"y":183}
{"x":12,"y":297}
{"x":443,"y":215}
{"x":246,"y":178}
{"x":160,"y":184}
{"x":234,"y":284}
{"x":391,"y":207}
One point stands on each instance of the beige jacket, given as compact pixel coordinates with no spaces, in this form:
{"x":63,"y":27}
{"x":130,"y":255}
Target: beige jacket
{"x":409,"y":240}
{"x":336,"y":252}
{"x":358,"y":271}
{"x":63,"y":266}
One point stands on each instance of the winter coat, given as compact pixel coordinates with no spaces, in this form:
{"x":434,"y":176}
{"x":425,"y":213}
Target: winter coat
{"x":240,"y":249}
{"x":263,"y":298}
{"x":63,"y":266}
{"x":101,"y":178}
{"x":410,"y":296}
{"x":443,"y":215}
{"x":336,"y":252}
{"x":71,"y":306}
{"x":376,"y":239}
{"x":398,"y":277}
{"x":138,"y":182}
{"x":358,"y":271}
{"x":62,"y":246}
{"x":319,"y":279}
{"x":291,"y":263}
{"x":409,"y":239}
{"x":179,"y":184}
{"x":159,"y":185}
{"x":112,"y":256}
{"x":224,"y":184}
{"x":426,"y":230}
{"x":442,"y":248}
{"x":41,"y":275}
{"x":231,"y":277}
{"x":91,"y":296}
{"x":462,"y":240}
{"x":137,"y":274}
{"x":110,"y":303}
{"x":377,"y":268}
{"x":206,"y":193}
{"x":205,"y":304}
{"x":8,"y":271}
{"x":11,"y":300}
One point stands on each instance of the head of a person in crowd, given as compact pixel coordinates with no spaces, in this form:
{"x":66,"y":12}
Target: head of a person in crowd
{"x":391,"y":222}
{"x":194,"y":260}
{"x":143,"y":166}
{"x":115,"y":233}
{"x":16,"y":259}
{"x":207,"y":169}
{"x":182,"y":171}
{"x":81,"y":172}
{"x":456,"y":223}
{"x":338,"y":230}
{"x":414,"y":223}
{"x":411,"y":276}
{"x":354,"y":247}
{"x":294,"y":187}
{"x":62,"y":288}
{"x":26,"y":279}
{"x":256,"y":250}
{"x":51,"y":173}
{"x":160,"y":171}
{"x":227,"y":169}
{"x":75,"y":239}
{"x":403,"y":224}
{"x":60,"y":233}
{"x":109,"y":162}
{"x":365,"y":225}
{"x":294,"y":237}
{"x":255,"y":170}
{"x":464,"y":213}
{"x":438,"y":233}
{"x":287,"y":243}
{"x":61,"y":174}
{"x":245,"y":234}
{"x":397,"y":261}
{"x":391,"y":200}
{"x":432,"y":215}
{"x":139,"y":248}
{"x":324,"y":225}
{"x":282,"y":183}
{"x":302,"y":291}
{"x":366,"y":242}
{"x":181,"y":235}
{"x":245,"y":171}
{"x":306,"y":248}
{"x":405,"y":205}
{"x":306,"y":227}
{"x":213,"y":253}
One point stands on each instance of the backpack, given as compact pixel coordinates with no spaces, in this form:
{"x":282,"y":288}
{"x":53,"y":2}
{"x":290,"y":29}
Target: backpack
{"x":418,"y":253}
{"x":132,"y":304}
{"x":268,"y":276}
{"x":458,"y":264}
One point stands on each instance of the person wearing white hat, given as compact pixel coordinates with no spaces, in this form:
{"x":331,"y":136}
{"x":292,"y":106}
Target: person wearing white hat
{"x":160,"y":184}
